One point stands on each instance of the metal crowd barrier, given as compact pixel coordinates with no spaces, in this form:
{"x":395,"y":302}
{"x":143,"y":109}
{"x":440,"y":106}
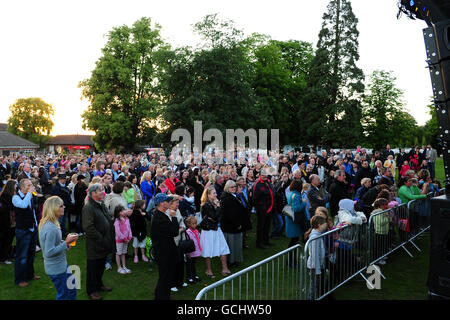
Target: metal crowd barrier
{"x":420,"y":215}
{"x":344,"y":259}
{"x":387,"y":231}
{"x":349,"y":250}
{"x":280,"y":276}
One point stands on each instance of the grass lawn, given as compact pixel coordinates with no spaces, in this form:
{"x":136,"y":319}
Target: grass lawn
{"x":139,"y":285}
{"x":406,"y":276}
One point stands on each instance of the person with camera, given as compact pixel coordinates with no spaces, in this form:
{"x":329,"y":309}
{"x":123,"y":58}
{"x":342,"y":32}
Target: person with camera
{"x":212,"y":239}
{"x":26,"y":233}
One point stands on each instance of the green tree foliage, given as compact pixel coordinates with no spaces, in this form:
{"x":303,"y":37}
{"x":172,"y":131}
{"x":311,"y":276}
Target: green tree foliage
{"x":31,"y":119}
{"x":279,"y":83}
{"x":334,"y":83}
{"x":122,"y":89}
{"x":385,"y":119}
{"x":431,"y":128}
{"x":212,"y":84}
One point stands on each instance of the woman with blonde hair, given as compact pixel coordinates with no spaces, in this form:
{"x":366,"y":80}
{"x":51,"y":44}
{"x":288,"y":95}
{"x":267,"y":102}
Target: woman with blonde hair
{"x":212,"y":177}
{"x":148,"y":188}
{"x":95,"y":180}
{"x":54,"y":248}
{"x":212,"y":240}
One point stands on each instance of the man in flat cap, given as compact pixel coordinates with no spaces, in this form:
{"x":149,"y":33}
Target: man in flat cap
{"x":164,"y":228}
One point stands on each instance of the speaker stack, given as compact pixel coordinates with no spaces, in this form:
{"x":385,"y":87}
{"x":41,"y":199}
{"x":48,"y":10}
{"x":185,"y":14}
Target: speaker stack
{"x":437,"y":42}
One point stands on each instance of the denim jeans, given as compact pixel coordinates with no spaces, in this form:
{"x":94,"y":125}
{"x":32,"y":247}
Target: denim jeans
{"x":26,"y":242}
{"x":63,"y":292}
{"x":277,"y":222}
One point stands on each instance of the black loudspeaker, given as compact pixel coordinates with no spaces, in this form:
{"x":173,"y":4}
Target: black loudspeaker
{"x":439,"y":273}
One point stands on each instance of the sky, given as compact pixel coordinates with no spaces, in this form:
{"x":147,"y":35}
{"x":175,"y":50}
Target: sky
{"x":47,"y":47}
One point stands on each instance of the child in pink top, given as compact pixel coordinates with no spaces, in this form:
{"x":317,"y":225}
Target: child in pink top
{"x":123,"y":237}
{"x":191,"y":258}
{"x":405,"y":167}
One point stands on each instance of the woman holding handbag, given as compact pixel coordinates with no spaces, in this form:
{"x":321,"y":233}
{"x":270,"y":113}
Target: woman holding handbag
{"x":212,"y":239}
{"x":299,"y":224}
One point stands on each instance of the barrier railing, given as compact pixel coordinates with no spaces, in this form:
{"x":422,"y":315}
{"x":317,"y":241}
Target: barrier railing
{"x":343,"y":259}
{"x":387,"y":232}
{"x":315,"y":271}
{"x":280,"y":276}
{"x":420,"y":213}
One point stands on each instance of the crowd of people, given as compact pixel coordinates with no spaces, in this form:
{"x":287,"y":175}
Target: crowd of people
{"x":47,"y":202}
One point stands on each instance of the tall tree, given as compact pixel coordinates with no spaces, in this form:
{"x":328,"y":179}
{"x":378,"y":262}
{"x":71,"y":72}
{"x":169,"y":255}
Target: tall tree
{"x":279,"y":83}
{"x":431,"y":129}
{"x":335,"y":83}
{"x":385,"y":118}
{"x":122,"y":89}
{"x":31,"y":119}
{"x":212,"y":83}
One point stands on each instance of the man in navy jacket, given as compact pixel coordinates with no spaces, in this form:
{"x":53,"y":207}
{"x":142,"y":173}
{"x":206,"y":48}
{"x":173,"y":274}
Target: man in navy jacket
{"x":164,"y":227}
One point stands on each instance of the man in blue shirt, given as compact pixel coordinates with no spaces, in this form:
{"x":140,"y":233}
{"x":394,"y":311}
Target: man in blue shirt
{"x":26,"y":234}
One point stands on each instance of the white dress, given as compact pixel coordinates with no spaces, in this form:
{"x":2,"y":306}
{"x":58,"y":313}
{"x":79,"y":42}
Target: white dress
{"x":213,"y":243}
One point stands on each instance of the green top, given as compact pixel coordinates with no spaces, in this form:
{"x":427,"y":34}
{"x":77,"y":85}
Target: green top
{"x":381,"y":221}
{"x":406,"y":194}
{"x":129,"y":195}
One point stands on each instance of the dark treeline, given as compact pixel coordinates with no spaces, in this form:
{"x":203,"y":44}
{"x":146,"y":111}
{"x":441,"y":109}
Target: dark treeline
{"x":142,"y":89}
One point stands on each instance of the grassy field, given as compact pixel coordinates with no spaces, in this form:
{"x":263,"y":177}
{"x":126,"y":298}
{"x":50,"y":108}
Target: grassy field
{"x":139,"y":285}
{"x":406,"y":276}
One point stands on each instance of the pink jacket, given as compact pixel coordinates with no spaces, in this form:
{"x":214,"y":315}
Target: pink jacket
{"x":123,"y":230}
{"x":195,"y":235}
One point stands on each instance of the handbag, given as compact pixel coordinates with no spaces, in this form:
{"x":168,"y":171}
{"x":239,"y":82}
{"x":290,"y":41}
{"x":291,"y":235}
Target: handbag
{"x":187,"y":245}
{"x":287,"y":211}
{"x":403,"y":224}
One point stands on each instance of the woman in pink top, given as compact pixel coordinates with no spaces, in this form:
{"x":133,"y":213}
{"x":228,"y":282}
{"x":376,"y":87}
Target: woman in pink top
{"x":194,"y":234}
{"x":123,"y":237}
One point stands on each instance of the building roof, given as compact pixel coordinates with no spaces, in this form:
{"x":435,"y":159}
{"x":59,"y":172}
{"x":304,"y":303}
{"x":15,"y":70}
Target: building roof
{"x":9,"y":140}
{"x":72,"y":139}
{"x":3,"y":126}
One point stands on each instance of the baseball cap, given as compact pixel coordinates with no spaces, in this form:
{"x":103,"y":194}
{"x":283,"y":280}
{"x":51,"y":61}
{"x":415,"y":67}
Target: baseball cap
{"x":161,"y":197}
